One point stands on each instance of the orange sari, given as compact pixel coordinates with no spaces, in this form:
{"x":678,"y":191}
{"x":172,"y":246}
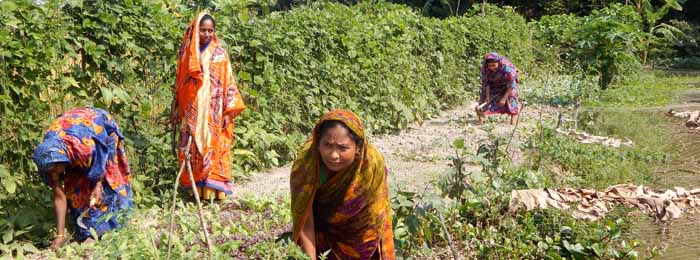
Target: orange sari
{"x":206,"y":94}
{"x":351,"y":210}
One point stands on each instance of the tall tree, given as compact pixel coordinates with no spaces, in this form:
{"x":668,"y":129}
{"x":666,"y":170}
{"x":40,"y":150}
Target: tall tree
{"x":651,"y":16}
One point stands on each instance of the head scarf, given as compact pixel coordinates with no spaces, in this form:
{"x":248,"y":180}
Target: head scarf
{"x":85,"y":137}
{"x":353,"y":205}
{"x":503,"y":63}
{"x":50,"y":152}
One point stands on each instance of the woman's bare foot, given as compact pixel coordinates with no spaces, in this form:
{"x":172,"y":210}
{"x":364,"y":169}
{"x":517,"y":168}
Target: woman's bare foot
{"x":58,"y":242}
{"x":480,"y":115}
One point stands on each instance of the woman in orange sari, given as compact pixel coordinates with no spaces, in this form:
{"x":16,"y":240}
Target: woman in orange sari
{"x":340,"y":200}
{"x":207,"y":101}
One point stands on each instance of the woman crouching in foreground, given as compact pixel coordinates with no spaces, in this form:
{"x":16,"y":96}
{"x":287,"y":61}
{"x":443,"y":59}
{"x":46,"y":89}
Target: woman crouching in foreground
{"x":340,"y":200}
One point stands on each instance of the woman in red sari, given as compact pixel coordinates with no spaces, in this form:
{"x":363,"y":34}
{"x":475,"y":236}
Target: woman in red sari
{"x":206,"y":101}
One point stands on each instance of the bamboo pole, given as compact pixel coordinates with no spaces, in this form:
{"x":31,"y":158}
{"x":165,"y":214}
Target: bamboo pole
{"x":199,"y":203}
{"x":196,"y":198}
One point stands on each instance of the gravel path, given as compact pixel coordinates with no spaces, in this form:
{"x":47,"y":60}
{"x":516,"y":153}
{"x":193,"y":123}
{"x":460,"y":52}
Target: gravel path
{"x":418,"y":155}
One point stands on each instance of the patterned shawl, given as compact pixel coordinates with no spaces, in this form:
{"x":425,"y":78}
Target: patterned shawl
{"x":351,"y":210}
{"x":82,"y":136}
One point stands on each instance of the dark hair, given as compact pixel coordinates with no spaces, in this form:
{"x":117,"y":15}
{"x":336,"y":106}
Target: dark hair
{"x":491,"y":61}
{"x":326,"y":125}
{"x":208,"y":17}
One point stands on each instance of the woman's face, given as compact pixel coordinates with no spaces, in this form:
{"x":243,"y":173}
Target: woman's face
{"x":337,"y":148}
{"x":493,"y":66}
{"x":206,"y":31}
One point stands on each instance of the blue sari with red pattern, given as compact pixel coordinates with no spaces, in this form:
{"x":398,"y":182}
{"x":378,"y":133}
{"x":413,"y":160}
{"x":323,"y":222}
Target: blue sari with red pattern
{"x":89,"y":141}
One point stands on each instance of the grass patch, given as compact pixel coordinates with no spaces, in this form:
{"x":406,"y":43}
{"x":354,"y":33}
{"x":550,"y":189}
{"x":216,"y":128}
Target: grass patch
{"x":648,"y":91}
{"x":597,"y":166}
{"x":249,"y":228}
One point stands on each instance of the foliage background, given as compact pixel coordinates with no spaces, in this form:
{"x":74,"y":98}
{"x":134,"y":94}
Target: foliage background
{"x":386,"y":62}
{"x":390,"y":63}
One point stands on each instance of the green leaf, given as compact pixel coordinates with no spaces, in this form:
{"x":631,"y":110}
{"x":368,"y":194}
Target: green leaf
{"x":243,"y":152}
{"x":9,"y":184}
{"x":106,"y":96}
{"x":12,"y":21}
{"x":675,"y":5}
{"x":80,"y":92}
{"x":30,"y":248}
{"x":575,"y":248}
{"x":258,"y":80}
{"x":254,"y":43}
{"x":93,"y":233}
{"x":244,"y":75}
{"x":121,"y":95}
{"x":74,"y":3}
{"x":7,"y":237}
{"x":8,"y":6}
{"x":458,"y":144}
{"x":146,"y":108}
{"x":70,"y":81}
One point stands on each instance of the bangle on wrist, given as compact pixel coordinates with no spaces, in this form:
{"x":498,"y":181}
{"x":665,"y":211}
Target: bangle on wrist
{"x":60,"y":235}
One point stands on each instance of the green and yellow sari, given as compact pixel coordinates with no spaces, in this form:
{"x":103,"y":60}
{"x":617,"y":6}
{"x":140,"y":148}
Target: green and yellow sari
{"x":351,"y":210}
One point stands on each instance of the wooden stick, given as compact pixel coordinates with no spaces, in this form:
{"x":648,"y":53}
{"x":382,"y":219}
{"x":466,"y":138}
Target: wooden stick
{"x":153,"y":243}
{"x":517,"y":122}
{"x":199,"y":204}
{"x":172,"y":208}
{"x":455,"y":256}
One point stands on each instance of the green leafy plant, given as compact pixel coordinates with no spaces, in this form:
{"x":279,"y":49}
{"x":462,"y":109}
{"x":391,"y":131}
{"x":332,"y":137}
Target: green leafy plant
{"x":605,"y":43}
{"x":386,"y":62}
{"x":651,"y":16}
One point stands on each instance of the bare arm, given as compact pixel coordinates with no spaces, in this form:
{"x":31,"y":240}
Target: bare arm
{"x":174,"y":123}
{"x":173,"y":112}
{"x":60,"y":204}
{"x":505,"y":97}
{"x":307,"y":238}
{"x":487,"y":94}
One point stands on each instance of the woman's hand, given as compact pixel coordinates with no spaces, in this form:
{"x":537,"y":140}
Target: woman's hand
{"x":501,"y":102}
{"x":307,"y":238}
{"x":57,"y":242}
{"x":227,"y":120}
{"x":174,"y":120}
{"x":96,"y":196}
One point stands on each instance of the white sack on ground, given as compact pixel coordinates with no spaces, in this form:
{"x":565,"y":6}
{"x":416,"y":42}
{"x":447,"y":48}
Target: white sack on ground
{"x":589,"y":204}
{"x":587,"y":138}
{"x":693,"y":117}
